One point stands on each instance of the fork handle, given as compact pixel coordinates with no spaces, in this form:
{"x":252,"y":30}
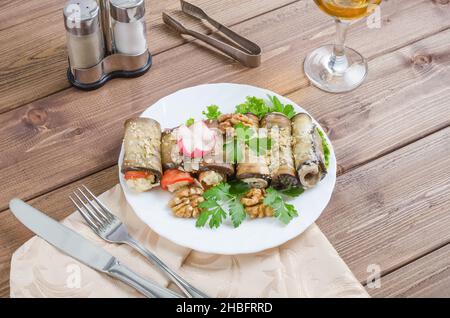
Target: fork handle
{"x":146,"y":287}
{"x":187,"y":288}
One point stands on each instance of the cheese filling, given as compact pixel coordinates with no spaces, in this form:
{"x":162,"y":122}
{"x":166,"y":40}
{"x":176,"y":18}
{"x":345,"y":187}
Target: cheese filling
{"x":142,"y":184}
{"x":211,"y":178}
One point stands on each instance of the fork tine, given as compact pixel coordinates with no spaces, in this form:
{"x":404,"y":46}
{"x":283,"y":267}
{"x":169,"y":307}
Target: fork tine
{"x":91,"y":213}
{"x":108,"y":213}
{"x":97,"y":210}
{"x":85,"y":216}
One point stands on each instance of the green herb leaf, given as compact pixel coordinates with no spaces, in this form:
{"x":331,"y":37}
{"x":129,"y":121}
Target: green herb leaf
{"x":289,"y":111}
{"x":293,"y":191}
{"x":260,"y":107}
{"x":283,"y":211}
{"x":254,"y":105}
{"x":212,"y":112}
{"x":277,"y":106}
{"x":190,"y":122}
{"x":213,"y":212}
{"x":237,"y":211}
{"x":326,"y":147}
{"x":221,"y":201}
{"x":238,"y":187}
{"x":218,"y":193}
{"x":212,"y":208}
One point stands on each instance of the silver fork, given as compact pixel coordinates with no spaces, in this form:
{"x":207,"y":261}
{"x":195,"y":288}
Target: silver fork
{"x":111,"y":229}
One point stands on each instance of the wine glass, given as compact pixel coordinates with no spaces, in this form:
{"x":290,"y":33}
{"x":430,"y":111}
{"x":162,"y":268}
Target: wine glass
{"x":336,"y":68}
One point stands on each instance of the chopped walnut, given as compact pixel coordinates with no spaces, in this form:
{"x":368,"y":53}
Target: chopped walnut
{"x":253,"y":204}
{"x":227,"y":121}
{"x":185,"y":202}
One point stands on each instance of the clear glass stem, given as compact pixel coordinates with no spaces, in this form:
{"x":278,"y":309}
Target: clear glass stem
{"x":338,"y":61}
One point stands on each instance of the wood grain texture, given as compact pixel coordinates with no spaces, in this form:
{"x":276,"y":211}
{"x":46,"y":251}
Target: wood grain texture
{"x":428,"y":276}
{"x":57,"y":205}
{"x":394,"y":209}
{"x":13,"y":13}
{"x":88,"y":120}
{"x":34,"y":58}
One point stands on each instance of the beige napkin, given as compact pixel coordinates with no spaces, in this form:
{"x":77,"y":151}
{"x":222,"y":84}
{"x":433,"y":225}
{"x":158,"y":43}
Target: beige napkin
{"x":307,"y":266}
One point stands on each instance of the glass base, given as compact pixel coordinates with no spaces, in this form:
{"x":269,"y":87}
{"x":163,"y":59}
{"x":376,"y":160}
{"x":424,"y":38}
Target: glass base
{"x":335,"y":74}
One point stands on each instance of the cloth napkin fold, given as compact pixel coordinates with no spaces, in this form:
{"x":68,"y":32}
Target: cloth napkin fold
{"x":307,"y":266}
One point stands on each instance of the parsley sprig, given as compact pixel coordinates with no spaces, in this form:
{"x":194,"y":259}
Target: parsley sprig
{"x":224,"y":200}
{"x":278,"y":106}
{"x":212,"y":112}
{"x":283,"y":211}
{"x":256,"y":106}
{"x":190,"y":122}
{"x":260,"y":107}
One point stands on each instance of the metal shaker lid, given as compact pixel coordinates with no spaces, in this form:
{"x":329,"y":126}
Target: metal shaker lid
{"x":127,"y":10}
{"x":81,"y":17}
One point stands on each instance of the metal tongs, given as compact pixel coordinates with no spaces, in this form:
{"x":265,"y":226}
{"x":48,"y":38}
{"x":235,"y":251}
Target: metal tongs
{"x":248,"y":53}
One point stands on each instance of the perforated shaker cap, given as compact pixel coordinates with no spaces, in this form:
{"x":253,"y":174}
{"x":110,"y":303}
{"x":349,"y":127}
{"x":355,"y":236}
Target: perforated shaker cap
{"x":127,"y":10}
{"x":81,"y":17}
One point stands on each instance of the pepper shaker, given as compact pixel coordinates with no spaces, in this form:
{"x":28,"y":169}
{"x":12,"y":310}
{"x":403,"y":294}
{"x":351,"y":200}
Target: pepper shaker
{"x":84,"y":34}
{"x":128,"y":26}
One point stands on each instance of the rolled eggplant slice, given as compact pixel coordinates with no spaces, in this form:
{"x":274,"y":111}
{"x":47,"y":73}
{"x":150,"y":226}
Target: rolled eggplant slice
{"x":214,"y":169}
{"x":280,"y":158}
{"x":170,"y":153}
{"x":253,"y":169}
{"x":308,"y":151}
{"x":142,"y":153}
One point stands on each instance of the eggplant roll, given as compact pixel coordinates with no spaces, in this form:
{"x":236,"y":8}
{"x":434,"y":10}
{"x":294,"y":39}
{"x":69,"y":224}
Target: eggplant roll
{"x":253,"y":169}
{"x":280,"y":158}
{"x":142,"y":153}
{"x":213,"y":168}
{"x":308,"y":151}
{"x":170,"y":153}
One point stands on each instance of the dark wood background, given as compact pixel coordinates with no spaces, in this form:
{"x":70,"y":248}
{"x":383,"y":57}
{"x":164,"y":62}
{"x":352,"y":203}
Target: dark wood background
{"x":391,"y":206}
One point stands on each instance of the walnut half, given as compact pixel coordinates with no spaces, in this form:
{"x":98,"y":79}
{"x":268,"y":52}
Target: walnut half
{"x":185,"y":202}
{"x":254,"y":206}
{"x":228,"y":121}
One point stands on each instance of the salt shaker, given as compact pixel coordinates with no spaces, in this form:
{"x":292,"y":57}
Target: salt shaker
{"x":128,"y":25}
{"x":84,"y":34}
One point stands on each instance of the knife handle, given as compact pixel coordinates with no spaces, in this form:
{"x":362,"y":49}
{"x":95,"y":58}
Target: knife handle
{"x":145,"y":286}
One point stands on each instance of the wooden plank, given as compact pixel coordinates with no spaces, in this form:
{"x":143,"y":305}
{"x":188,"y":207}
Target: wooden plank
{"x":34,"y":59}
{"x":55,"y":204}
{"x":394,"y":209}
{"x":428,"y":276}
{"x":13,"y":13}
{"x":63,"y":127}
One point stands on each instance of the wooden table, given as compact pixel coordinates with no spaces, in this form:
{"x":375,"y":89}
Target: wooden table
{"x":391,"y":205}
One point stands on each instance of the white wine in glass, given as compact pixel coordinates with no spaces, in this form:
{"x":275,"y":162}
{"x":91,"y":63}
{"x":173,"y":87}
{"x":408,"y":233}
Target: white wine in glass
{"x":337,"y":68}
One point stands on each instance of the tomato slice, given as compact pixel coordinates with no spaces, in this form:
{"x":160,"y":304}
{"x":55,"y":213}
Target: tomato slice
{"x":129,"y":175}
{"x":173,"y":176}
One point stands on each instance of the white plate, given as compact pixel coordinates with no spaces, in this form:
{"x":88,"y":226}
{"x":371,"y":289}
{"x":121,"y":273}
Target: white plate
{"x":253,"y":235}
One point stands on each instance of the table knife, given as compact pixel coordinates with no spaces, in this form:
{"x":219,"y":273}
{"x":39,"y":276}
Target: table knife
{"x":83,"y":250}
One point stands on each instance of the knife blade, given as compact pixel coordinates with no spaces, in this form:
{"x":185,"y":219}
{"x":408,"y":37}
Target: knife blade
{"x":83,"y":250}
